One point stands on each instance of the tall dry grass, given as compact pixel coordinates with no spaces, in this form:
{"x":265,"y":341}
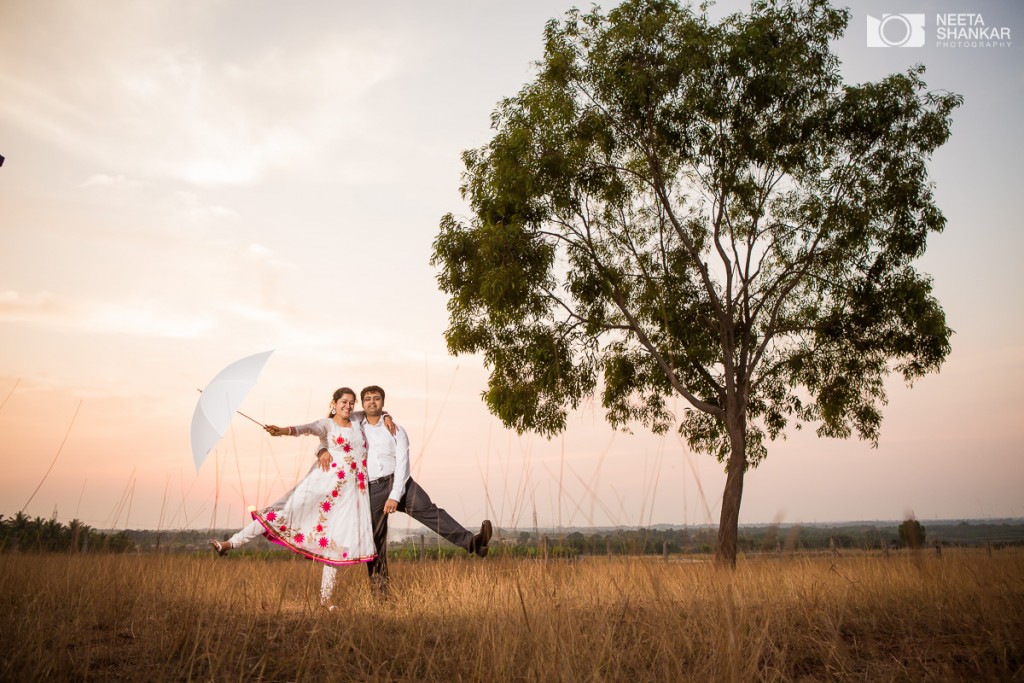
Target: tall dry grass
{"x":858,"y":617}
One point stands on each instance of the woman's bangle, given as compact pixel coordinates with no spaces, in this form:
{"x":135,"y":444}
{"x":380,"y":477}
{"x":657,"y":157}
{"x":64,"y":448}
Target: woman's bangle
{"x":291,"y":431}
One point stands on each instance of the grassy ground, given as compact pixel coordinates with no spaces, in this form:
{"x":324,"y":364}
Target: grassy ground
{"x":855,"y":617}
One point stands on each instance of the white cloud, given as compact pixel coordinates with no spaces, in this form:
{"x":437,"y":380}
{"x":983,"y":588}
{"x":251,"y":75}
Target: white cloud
{"x":264,"y":255}
{"x":155,"y":105}
{"x":42,"y":306}
{"x":193,"y":210}
{"x":148,"y":321}
{"x":256,"y":314}
{"x":90,"y":317}
{"x":118,"y":182}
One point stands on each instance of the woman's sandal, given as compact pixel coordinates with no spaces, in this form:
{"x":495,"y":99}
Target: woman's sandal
{"x":222,"y":547}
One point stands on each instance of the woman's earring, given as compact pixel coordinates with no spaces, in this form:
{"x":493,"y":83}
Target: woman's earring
{"x":333,"y":412}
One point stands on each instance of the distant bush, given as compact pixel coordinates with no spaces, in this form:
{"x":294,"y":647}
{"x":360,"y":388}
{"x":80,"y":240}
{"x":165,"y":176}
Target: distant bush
{"x":912,"y":533}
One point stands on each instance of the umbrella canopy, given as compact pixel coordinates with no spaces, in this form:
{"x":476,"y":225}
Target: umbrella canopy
{"x":219,"y":401}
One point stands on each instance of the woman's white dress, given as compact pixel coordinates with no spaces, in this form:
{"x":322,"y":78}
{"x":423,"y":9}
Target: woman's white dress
{"x":326,"y":517}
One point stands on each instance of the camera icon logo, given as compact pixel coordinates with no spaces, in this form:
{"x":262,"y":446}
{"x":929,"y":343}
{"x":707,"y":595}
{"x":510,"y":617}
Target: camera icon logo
{"x":896,"y":30}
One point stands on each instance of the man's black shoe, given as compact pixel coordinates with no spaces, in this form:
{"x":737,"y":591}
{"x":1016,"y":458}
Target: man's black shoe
{"x":480,"y":541}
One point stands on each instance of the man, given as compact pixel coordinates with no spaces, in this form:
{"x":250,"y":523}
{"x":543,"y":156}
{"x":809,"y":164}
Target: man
{"x":393,"y":490}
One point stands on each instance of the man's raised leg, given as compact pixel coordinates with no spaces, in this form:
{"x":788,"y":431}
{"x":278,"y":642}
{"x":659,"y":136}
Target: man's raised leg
{"x":417,"y":504}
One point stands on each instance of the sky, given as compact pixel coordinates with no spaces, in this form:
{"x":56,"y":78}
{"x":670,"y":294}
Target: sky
{"x":189,"y":183}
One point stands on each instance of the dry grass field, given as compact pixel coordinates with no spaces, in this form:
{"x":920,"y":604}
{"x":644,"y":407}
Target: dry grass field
{"x":799,"y":618}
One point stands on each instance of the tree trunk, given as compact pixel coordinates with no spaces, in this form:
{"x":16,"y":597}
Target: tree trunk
{"x":728,"y":525}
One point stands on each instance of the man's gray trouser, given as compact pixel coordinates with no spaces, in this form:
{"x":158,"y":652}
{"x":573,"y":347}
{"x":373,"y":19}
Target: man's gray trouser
{"x":417,"y":504}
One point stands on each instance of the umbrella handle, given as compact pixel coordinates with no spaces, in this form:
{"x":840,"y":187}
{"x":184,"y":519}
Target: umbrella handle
{"x":243,"y":414}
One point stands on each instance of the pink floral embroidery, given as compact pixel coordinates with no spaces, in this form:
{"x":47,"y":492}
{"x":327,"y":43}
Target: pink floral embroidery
{"x":323,"y":541}
{"x":326,"y":506}
{"x":271,"y":516}
{"x":299,"y":538}
{"x":347,"y":448}
{"x":283,"y":528}
{"x":345,"y":554}
{"x":334,"y":493}
{"x":361,"y":477}
{"x":334,"y":464}
{"x":362,"y":486}
{"x":340,"y":440}
{"x":320,"y":528}
{"x":353,"y":465}
{"x":364,"y":462}
{"x":341,"y":474}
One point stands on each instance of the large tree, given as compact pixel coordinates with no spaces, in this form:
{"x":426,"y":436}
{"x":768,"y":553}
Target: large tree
{"x":680,"y":207}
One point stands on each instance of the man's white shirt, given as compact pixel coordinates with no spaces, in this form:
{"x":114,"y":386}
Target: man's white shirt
{"x":387,"y":454}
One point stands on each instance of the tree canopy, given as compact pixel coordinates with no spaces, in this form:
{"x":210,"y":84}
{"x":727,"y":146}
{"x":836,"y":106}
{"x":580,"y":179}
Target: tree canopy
{"x":676,"y":207}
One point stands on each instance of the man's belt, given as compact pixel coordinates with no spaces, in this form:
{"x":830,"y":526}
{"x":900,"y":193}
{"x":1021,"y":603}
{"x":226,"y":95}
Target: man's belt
{"x":381,"y":480}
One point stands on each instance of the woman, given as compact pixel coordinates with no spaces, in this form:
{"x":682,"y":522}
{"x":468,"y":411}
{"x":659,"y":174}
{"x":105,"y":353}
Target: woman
{"x":326,"y":517}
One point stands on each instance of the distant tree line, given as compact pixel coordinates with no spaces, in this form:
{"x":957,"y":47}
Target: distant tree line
{"x":22,"y":533}
{"x":25,"y":534}
{"x":702,"y":540}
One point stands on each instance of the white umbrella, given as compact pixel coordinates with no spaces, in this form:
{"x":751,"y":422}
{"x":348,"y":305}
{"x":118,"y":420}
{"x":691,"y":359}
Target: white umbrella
{"x":219,"y":401}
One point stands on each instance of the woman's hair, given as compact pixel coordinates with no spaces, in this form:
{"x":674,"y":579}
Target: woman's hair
{"x":338,"y":394}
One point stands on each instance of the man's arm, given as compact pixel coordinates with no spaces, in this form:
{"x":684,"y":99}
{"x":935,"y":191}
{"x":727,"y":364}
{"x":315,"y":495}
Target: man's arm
{"x":357,"y":417}
{"x":401,"y":465}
